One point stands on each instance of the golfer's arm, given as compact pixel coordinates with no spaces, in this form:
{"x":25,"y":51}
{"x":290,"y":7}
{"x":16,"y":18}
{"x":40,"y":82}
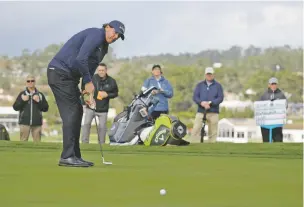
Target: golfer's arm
{"x":114,"y":92}
{"x":43,"y":104}
{"x":169,"y":93}
{"x":220,"y":97}
{"x":263,"y":97}
{"x":196,"y":95}
{"x":19,"y":103}
{"x":91,"y":42}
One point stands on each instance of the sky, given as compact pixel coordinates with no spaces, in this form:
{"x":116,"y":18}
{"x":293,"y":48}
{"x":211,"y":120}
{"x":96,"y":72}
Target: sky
{"x":153,"y":27}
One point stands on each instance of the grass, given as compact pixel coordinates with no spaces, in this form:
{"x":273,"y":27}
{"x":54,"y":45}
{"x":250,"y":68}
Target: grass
{"x":15,"y":136}
{"x":199,"y":175}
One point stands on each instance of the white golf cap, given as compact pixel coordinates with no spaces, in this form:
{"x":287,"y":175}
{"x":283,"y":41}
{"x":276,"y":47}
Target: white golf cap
{"x":209,"y":70}
{"x":273,"y":80}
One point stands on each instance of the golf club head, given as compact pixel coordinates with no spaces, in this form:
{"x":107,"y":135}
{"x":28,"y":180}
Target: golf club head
{"x":106,"y":163}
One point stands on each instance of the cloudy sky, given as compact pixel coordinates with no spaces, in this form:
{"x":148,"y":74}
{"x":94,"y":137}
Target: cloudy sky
{"x":153,"y":27}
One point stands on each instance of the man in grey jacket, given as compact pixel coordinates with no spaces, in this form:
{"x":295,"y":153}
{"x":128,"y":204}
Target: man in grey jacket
{"x":273,"y":93}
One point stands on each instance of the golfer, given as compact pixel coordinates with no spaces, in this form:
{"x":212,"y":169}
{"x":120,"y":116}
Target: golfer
{"x":78,"y":58}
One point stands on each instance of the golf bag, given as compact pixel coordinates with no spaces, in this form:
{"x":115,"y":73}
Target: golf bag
{"x":167,"y":130}
{"x":132,"y":126}
{"x":135,"y":115}
{"x":4,"y":135}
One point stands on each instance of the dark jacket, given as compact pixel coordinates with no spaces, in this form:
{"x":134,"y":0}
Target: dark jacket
{"x":82,"y":53}
{"x":272,"y":95}
{"x":30,"y":112}
{"x":108,"y":85}
{"x":213,"y":93}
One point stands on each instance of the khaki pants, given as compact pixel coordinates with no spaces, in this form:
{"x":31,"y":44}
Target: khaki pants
{"x":102,"y":127}
{"x":25,"y":133}
{"x":212,"y":121}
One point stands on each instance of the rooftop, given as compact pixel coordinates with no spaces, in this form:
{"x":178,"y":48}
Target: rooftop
{"x":4,"y":110}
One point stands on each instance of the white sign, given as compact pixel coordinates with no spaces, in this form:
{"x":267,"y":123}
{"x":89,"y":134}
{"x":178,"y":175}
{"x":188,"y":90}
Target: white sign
{"x":270,"y":112}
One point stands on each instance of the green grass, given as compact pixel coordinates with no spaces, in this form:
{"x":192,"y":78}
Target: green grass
{"x":200,"y":175}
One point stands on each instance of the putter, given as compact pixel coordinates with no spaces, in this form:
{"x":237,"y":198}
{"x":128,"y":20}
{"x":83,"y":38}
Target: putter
{"x":203,"y":133}
{"x":103,"y":160}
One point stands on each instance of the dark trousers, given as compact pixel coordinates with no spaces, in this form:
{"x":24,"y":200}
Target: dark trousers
{"x":277,"y":134}
{"x":67,"y":95}
{"x":155,"y":114}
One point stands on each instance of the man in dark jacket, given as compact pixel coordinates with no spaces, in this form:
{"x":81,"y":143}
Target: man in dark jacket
{"x":273,"y":93}
{"x":208,"y":95}
{"x":78,"y":58}
{"x":30,"y":103}
{"x":106,"y":89}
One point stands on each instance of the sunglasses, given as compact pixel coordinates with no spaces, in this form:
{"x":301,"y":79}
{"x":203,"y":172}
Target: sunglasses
{"x":30,"y":81}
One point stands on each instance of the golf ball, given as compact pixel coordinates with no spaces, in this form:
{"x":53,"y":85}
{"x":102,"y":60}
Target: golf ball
{"x":162,"y":192}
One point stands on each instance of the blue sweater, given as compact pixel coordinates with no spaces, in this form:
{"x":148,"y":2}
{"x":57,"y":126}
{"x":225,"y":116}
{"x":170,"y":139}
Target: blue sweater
{"x":163,"y":97}
{"x":82,"y":53}
{"x":213,"y":92}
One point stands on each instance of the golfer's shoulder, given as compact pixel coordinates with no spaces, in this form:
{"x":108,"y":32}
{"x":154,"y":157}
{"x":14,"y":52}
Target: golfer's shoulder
{"x":165,"y":80}
{"x":39,"y":92}
{"x":150,"y":79}
{"x":92,"y":32}
{"x":111,"y":79}
{"x":217,"y":83}
{"x":200,"y":83}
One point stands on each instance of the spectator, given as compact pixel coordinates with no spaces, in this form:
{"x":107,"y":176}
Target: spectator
{"x":106,"y":89}
{"x":30,"y":103}
{"x":164,"y":92}
{"x":208,"y":95}
{"x":273,"y":93}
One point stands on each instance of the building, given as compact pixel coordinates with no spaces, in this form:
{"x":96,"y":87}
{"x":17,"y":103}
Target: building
{"x":244,"y":130}
{"x":9,"y":118}
{"x":293,"y":133}
{"x":238,"y":130}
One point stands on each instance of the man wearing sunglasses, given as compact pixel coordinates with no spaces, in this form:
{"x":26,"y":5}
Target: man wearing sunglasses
{"x":78,"y":59}
{"x":273,"y":93}
{"x":30,"y":103}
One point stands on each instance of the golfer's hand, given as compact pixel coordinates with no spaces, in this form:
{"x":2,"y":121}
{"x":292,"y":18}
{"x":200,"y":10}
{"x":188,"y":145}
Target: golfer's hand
{"x":25,"y":97}
{"x":89,"y":100}
{"x":104,"y":94}
{"x":89,"y":88}
{"x":36,"y":98}
{"x":154,"y":92}
{"x":203,"y":103}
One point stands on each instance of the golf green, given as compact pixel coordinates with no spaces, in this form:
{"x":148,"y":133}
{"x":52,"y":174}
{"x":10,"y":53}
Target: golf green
{"x":199,"y":175}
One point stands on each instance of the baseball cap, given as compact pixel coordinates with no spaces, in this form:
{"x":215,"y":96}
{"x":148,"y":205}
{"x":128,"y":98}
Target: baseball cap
{"x":209,"y":70}
{"x":156,"y":66}
{"x":273,"y":80}
{"x":119,"y":28}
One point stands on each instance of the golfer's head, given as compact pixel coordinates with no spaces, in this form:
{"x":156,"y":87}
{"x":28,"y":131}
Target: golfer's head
{"x":30,"y":81}
{"x":114,"y":30}
{"x":156,"y":70}
{"x":209,"y":74}
{"x":273,"y":83}
{"x":102,"y":70}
